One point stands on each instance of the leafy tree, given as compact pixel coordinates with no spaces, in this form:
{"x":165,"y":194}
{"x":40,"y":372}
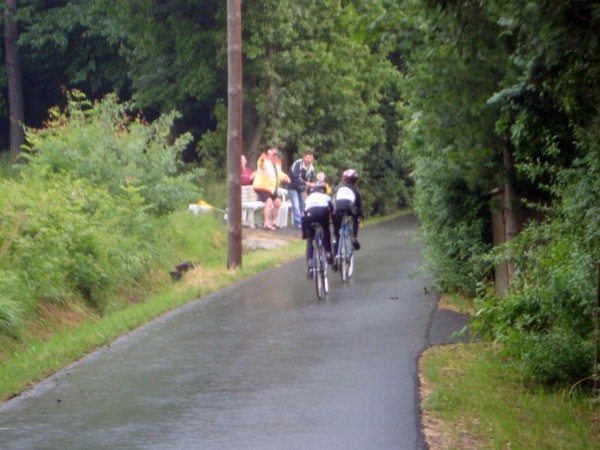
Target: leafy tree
{"x":311,"y":84}
{"x":15,"y":82}
{"x":176,"y":58}
{"x":551,"y":114}
{"x":66,"y":44}
{"x":452,"y":71}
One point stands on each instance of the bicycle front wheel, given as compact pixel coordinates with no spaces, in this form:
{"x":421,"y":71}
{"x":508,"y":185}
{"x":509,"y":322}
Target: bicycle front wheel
{"x":350,"y":264}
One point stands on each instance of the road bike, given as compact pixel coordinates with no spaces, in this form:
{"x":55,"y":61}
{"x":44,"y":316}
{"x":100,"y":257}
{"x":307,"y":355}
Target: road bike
{"x":319,"y":262}
{"x":345,"y":253}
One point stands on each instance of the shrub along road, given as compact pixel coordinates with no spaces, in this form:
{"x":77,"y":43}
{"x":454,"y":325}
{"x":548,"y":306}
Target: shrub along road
{"x":261,"y":364}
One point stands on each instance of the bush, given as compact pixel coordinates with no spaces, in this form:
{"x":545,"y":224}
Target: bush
{"x":546,"y":319}
{"x":70,"y":239}
{"x":88,"y":215}
{"x":102,"y":143}
{"x":558,"y":357}
{"x":454,"y":225}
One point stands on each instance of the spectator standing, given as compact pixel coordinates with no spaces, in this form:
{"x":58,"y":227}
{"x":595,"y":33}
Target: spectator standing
{"x":267,"y":178}
{"x":301,"y":177}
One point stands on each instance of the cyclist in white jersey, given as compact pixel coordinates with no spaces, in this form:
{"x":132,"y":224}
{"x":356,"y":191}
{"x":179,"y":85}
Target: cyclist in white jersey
{"x":317,"y":208}
{"x":346,"y":200}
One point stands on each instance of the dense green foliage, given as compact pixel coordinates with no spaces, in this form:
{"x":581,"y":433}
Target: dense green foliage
{"x":101,"y":143}
{"x":88,"y":213}
{"x":314,"y":77}
{"x":312,"y":81}
{"x":489,"y":79}
{"x":451,"y":138}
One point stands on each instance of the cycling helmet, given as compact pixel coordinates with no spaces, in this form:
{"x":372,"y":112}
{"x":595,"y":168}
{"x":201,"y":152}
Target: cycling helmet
{"x":350,"y":175}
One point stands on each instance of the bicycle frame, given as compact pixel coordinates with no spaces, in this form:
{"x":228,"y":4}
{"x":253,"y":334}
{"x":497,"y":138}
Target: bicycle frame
{"x":345,"y":253}
{"x":319,"y":262}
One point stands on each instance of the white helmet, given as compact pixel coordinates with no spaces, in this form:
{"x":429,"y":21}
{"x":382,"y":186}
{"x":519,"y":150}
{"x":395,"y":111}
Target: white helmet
{"x":350,"y":175}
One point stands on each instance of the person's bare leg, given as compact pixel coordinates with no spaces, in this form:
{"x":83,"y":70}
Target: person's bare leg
{"x":267,"y":213}
{"x":276,"y":206}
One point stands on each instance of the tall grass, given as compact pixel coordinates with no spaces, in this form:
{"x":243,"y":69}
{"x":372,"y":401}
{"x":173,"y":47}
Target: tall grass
{"x":8,"y":169}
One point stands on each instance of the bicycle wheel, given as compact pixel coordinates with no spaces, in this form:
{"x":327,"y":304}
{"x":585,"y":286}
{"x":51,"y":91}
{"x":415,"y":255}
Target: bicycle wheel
{"x":350,"y":253}
{"x":344,"y":256}
{"x":350,"y":264}
{"x":324,"y":271}
{"x":317,"y":259}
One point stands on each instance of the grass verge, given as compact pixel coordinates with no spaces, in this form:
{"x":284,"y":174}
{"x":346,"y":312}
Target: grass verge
{"x":40,"y":355}
{"x":473,"y":398}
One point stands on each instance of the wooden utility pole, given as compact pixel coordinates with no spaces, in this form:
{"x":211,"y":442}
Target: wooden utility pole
{"x":234,"y":132}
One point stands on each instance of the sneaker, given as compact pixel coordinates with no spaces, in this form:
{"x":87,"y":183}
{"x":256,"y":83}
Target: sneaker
{"x":355,"y":244}
{"x":309,"y":268}
{"x":335,"y":266}
{"x":329,"y":258}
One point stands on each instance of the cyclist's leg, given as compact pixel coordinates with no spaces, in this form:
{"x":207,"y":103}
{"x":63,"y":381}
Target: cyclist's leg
{"x":305,"y":225}
{"x":321,"y":215}
{"x":337,"y":223}
{"x":310,"y":234}
{"x":327,"y":239}
{"x":355,"y":243}
{"x":336,"y":219}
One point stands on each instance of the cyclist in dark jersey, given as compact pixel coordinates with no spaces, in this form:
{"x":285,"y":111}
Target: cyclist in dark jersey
{"x":346,"y":200}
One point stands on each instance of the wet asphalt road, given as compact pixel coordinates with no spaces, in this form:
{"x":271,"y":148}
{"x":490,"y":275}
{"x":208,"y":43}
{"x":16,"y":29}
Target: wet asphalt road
{"x":259,"y":365}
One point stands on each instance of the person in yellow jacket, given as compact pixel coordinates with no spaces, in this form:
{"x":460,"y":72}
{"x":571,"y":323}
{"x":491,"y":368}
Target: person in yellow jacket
{"x":266,"y":182}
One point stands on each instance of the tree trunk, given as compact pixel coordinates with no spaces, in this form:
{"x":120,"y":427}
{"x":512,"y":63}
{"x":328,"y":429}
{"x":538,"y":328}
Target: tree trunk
{"x":16,"y":111}
{"x":511,"y":225}
{"x":254,"y":127}
{"x":234,"y":133}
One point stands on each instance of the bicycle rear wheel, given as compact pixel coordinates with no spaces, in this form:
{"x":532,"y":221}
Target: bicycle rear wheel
{"x":350,"y":250}
{"x":344,"y":257}
{"x":324,"y":271}
{"x":318,"y":268}
{"x":350,"y":264}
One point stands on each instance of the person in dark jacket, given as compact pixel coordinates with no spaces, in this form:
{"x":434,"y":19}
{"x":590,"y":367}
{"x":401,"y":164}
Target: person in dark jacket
{"x":301,"y":175}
